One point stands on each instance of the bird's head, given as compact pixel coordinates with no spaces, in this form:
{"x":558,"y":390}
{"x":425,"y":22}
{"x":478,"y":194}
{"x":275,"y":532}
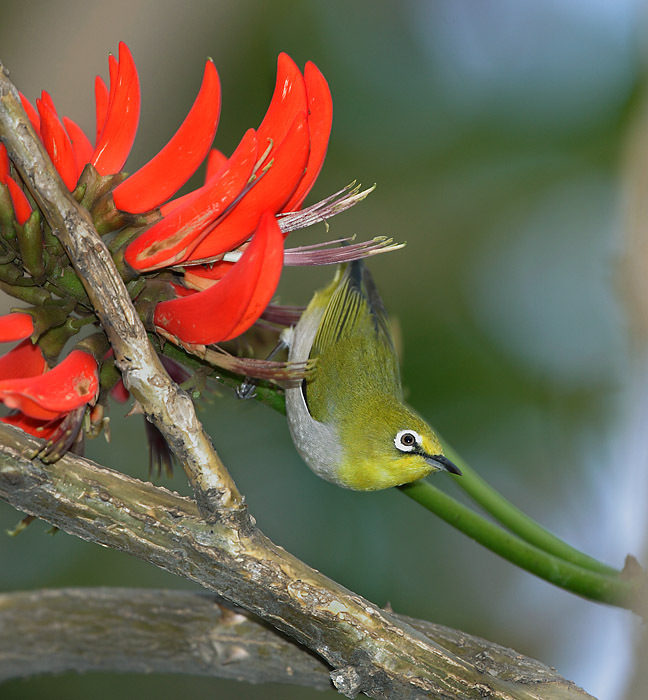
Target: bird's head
{"x":388,"y":445}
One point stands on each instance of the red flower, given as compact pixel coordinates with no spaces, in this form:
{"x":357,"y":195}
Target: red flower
{"x":290,"y":145}
{"x":231,"y":306}
{"x":270,"y":172}
{"x":118,"y":112}
{"x":49,"y":395}
{"x":41,"y":397}
{"x":16,"y":326}
{"x":21,"y":205}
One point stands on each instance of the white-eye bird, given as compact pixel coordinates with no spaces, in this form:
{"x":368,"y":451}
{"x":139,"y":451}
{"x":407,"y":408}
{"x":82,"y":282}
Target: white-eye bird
{"x":347,"y":418}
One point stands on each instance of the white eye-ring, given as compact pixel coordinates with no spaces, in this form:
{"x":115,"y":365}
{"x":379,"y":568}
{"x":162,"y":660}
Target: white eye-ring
{"x":407,"y":440}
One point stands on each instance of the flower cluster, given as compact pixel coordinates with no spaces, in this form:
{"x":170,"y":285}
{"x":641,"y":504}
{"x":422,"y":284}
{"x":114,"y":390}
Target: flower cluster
{"x":201,"y":268}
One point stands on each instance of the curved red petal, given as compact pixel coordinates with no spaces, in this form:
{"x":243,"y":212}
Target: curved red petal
{"x":230,"y":307}
{"x":4,"y":162}
{"x":118,"y":134}
{"x":57,"y":144}
{"x":216,"y":161}
{"x":71,"y":384}
{"x":21,"y":205}
{"x":46,"y":99}
{"x":270,"y":192}
{"x":32,"y":114}
{"x":113,"y":72}
{"x":15,"y":326}
{"x":81,"y":145}
{"x":288,"y":100}
{"x":38,"y":428}
{"x":25,"y":360}
{"x":172,"y":204}
{"x":164,"y":174}
{"x":166,"y":242}
{"x":320,"y":120}
{"x":102,"y":97}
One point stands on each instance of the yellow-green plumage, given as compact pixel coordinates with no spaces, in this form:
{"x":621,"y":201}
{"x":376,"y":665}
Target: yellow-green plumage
{"x":354,"y":409}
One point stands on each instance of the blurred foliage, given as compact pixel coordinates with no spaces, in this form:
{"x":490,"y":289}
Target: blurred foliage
{"x":494,"y":133}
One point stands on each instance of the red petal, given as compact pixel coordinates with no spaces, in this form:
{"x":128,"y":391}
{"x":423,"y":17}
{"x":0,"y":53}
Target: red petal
{"x":102,"y":97}
{"x":165,"y":243}
{"x":113,"y":72}
{"x":230,"y":307}
{"x":288,"y":100}
{"x":116,"y":140}
{"x":164,"y":174}
{"x":320,"y":119}
{"x":270,"y":192}
{"x":71,"y":384}
{"x":216,"y":161}
{"x":21,"y":205}
{"x":80,"y":144}
{"x":201,"y":277}
{"x":15,"y":326}
{"x":25,"y":360}
{"x":181,"y":291}
{"x":57,"y":144}
{"x":46,"y":99}
{"x":4,"y":163}
{"x":31,"y":113}
{"x":33,"y":426}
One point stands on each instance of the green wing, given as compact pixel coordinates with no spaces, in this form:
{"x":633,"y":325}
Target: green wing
{"x":354,"y":307}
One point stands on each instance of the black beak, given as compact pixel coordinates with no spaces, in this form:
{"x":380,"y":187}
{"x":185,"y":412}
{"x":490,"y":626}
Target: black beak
{"x":441,"y":462}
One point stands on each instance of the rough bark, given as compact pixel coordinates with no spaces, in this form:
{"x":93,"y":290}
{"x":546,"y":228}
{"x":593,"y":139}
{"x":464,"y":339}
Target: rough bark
{"x":369,"y":649}
{"x":141,"y":631}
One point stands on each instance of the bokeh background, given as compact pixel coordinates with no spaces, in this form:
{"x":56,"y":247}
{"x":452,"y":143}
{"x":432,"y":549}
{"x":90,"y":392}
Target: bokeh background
{"x":507,"y":141}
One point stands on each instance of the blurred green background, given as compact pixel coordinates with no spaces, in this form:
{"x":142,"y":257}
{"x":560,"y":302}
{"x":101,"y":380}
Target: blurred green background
{"x":497,"y":133}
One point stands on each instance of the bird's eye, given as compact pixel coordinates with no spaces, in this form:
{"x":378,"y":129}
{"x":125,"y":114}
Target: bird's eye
{"x":407,"y":440}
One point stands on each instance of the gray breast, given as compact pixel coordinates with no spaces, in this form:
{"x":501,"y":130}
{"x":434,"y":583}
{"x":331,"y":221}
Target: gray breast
{"x":317,"y":443}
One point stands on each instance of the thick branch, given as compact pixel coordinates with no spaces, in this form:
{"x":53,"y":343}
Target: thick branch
{"x":131,"y":630}
{"x":170,"y":409}
{"x":371,"y":650}
{"x":134,"y":630}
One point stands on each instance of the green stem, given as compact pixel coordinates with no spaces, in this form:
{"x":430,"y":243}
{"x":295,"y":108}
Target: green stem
{"x":268,"y":395}
{"x":518,"y":522}
{"x":603,"y":588}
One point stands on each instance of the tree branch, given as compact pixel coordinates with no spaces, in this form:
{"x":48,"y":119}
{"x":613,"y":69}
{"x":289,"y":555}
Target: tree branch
{"x":370,"y":650}
{"x":131,"y":630}
{"x":170,"y":409}
{"x":139,"y":631}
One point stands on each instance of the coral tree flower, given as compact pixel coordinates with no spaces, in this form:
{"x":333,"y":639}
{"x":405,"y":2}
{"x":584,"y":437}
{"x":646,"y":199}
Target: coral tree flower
{"x":272,"y":170}
{"x":49,"y":395}
{"x":117,"y":111}
{"x":41,"y":397}
{"x":269,"y":173}
{"x":229,"y":308}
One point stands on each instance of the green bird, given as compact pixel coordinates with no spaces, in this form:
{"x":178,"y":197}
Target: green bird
{"x":347,"y":418}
